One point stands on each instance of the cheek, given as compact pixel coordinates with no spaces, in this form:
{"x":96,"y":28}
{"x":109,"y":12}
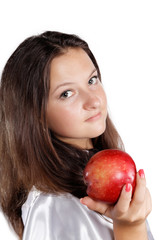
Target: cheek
{"x":62,"y":118}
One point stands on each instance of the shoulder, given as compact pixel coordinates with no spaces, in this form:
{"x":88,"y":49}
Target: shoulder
{"x":56,"y":207}
{"x":40,"y":202}
{"x":55,"y":202}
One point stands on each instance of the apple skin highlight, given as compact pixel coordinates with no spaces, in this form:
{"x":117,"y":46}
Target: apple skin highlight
{"x":107,"y":172}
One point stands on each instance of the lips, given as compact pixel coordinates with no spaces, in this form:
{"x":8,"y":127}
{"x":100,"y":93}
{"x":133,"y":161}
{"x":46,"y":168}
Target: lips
{"x":94,"y":117}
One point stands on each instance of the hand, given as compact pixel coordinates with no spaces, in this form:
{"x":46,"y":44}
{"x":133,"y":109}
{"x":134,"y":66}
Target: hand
{"x":126,"y":211}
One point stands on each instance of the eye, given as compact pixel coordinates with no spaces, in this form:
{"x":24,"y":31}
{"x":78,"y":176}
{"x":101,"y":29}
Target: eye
{"x":93,"y":80}
{"x":66,"y":94}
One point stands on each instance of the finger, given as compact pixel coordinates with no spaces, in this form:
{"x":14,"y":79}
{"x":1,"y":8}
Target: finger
{"x":140,"y":190}
{"x":123,"y":203}
{"x":95,"y":205}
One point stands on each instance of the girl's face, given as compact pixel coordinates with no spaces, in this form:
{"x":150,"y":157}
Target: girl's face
{"x":77,"y":106}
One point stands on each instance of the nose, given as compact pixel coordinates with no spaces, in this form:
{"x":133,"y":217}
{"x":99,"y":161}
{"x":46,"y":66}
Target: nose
{"x":91,"y":102}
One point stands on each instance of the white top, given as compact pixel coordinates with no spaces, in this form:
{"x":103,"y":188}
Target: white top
{"x":63,"y":217}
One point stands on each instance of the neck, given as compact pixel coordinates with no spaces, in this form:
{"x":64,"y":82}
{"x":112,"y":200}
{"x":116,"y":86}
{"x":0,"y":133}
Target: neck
{"x":85,"y":143}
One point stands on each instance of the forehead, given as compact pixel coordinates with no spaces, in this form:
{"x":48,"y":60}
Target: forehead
{"x":73,"y":62}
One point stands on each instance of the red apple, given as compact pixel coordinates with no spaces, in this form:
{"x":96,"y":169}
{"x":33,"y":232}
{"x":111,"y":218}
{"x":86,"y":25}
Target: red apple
{"x":107,"y":172}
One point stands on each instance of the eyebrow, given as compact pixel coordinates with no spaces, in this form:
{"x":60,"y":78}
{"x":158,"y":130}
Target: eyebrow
{"x":69,"y":83}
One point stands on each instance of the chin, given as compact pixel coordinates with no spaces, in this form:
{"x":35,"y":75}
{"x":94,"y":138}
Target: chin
{"x":97,"y":132}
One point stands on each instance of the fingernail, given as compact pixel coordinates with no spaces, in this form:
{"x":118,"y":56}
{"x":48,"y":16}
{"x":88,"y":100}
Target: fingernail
{"x":128,"y":187}
{"x":83,"y":201}
{"x":141,"y":173}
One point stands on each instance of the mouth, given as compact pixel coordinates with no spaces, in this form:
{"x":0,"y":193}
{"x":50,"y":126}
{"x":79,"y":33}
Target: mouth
{"x":94,"y":117}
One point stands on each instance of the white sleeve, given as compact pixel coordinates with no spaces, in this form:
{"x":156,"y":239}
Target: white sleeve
{"x":150,"y":236}
{"x":58,"y":218}
{"x":42,"y":221}
{"x":35,"y":215}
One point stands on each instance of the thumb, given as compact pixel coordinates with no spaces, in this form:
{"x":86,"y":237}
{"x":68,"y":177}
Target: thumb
{"x":96,"y":205}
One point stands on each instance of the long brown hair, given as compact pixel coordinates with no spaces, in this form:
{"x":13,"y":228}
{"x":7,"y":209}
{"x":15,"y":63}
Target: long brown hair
{"x":29,"y":152}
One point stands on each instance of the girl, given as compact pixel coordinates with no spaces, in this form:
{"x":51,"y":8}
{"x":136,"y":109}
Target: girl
{"x":54,"y":117}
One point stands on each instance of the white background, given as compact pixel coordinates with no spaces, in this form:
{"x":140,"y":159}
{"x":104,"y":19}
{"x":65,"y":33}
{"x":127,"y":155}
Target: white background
{"x":124,"y":36}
